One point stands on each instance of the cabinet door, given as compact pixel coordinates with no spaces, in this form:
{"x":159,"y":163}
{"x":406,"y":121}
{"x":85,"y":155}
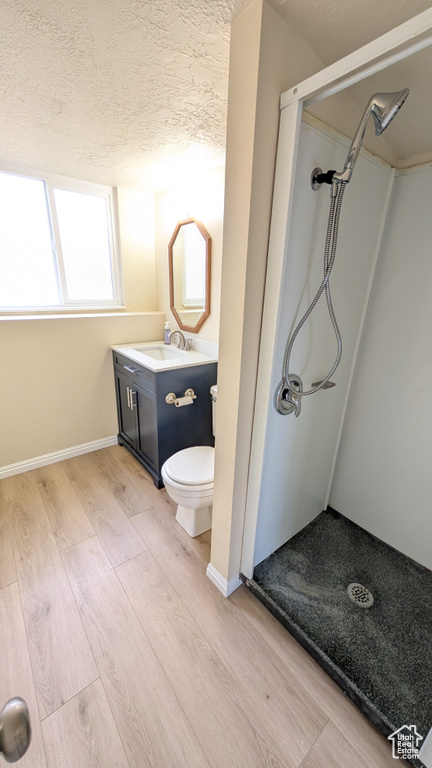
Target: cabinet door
{"x":127,"y":413}
{"x":147,"y":425}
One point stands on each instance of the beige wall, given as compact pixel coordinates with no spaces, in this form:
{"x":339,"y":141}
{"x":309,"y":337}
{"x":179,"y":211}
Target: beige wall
{"x":57,"y":383}
{"x":266,"y":58}
{"x":56,"y":379}
{"x":203,"y":198}
{"x":137,"y":238}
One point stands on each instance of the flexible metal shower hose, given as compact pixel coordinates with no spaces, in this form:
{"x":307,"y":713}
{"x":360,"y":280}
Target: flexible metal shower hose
{"x":329,"y":259}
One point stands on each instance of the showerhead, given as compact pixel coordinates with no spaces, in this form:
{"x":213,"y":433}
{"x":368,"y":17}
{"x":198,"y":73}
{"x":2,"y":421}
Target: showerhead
{"x":383,"y":107}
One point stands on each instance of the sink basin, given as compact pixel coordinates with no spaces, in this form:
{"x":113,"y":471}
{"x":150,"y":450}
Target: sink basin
{"x":157,"y":356}
{"x":160,"y":352}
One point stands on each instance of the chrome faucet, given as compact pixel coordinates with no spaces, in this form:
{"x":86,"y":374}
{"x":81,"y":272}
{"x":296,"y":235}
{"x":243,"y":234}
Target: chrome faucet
{"x":181,"y":342}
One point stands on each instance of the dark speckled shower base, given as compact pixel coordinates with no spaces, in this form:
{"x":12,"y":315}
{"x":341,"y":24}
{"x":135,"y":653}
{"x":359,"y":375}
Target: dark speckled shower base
{"x":381,"y":656}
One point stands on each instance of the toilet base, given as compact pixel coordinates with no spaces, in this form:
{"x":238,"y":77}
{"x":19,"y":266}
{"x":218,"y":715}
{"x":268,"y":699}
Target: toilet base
{"x":194,"y":521}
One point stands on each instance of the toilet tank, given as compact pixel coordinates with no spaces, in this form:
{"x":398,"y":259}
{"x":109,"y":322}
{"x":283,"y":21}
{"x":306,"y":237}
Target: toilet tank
{"x":213,"y":392}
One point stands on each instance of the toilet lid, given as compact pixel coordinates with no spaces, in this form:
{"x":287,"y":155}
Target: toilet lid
{"x":192,"y":466}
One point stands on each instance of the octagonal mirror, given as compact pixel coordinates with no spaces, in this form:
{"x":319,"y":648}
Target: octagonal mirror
{"x":189,"y":253}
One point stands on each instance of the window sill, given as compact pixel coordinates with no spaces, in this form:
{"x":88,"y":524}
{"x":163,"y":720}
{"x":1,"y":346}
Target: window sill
{"x":74,"y":315}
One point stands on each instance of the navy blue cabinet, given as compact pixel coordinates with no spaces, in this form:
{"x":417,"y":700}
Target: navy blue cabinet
{"x":150,"y":428}
{"x":128,"y":424}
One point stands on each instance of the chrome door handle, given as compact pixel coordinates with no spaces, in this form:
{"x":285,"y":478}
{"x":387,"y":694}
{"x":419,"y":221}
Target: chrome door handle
{"x":15,"y":730}
{"x":128,"y":396}
{"x":130,"y":369}
{"x":132,"y":404}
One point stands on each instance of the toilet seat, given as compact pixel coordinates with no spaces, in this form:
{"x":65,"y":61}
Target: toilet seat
{"x":192,"y":467}
{"x":187,"y":490}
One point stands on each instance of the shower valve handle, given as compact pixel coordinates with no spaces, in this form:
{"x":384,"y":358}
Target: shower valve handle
{"x":287,"y":397}
{"x":296,"y":402}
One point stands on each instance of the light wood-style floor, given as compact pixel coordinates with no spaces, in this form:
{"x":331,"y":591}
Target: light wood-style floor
{"x":126,"y":653}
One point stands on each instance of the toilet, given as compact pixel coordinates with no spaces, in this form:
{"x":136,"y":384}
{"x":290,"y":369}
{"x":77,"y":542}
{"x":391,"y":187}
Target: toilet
{"x":188,"y":477}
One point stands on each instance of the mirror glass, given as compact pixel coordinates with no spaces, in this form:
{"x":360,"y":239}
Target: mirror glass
{"x":189,"y":253}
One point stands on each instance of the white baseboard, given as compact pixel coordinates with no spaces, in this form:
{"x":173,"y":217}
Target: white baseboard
{"x":51,"y":458}
{"x":224,"y":586}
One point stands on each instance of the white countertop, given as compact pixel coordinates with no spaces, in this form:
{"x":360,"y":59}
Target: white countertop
{"x":203,"y":352}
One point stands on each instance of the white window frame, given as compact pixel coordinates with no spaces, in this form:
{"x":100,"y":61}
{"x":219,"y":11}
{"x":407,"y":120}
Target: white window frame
{"x":55,"y":181}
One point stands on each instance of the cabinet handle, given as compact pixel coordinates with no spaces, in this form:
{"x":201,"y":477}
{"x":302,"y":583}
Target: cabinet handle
{"x":130,"y":369}
{"x":128,"y":396}
{"x":132,"y":404}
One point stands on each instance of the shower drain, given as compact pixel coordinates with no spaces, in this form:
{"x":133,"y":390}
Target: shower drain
{"x":360,"y":595}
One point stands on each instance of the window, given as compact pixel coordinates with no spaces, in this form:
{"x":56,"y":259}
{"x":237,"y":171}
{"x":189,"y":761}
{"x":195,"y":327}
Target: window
{"x":57,"y":244}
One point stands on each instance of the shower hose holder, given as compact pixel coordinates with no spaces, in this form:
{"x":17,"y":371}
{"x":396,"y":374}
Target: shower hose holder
{"x":318,"y":178}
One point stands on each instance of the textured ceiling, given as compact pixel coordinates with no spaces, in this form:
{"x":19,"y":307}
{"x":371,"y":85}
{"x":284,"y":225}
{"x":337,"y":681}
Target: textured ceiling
{"x":118,"y":91}
{"x":133,"y":92}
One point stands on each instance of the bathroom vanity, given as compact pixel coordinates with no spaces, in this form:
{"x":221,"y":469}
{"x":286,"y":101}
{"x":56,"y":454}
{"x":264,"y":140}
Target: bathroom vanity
{"x":149,"y":427}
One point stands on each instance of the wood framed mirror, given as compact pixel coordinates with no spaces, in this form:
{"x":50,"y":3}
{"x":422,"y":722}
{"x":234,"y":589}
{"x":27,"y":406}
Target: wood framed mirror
{"x":189,"y":255}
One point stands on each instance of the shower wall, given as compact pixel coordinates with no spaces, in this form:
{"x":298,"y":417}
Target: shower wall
{"x":299,"y":453}
{"x":383,"y":476}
